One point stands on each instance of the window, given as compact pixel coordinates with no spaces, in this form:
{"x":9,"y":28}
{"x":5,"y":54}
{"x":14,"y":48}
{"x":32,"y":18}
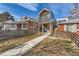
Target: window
{"x":25,"y":25}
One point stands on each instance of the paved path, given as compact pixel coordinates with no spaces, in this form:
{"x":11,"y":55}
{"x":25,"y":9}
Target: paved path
{"x":25,"y":47}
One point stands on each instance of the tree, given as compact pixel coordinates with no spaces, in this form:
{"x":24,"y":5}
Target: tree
{"x":5,"y":17}
{"x":12,"y":18}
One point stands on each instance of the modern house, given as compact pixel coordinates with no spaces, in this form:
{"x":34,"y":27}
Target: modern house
{"x":46,"y":20}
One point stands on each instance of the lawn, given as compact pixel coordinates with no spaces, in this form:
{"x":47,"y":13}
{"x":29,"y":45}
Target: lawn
{"x":11,"y":43}
{"x":54,"y":47}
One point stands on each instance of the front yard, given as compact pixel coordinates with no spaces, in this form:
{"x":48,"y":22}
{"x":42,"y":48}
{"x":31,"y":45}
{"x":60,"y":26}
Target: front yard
{"x":54,"y":47}
{"x":11,"y":43}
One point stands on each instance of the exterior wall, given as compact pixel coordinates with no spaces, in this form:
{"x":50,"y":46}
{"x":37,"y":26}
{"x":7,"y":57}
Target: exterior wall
{"x":69,"y":27}
{"x":9,"y":27}
{"x":61,"y":27}
{"x":30,"y":24}
{"x":65,"y":27}
{"x":5,"y":27}
{"x":25,"y":26}
{"x":44,"y":18}
{"x":72,"y":28}
{"x":13,"y":26}
{"x":78,"y":27}
{"x":21,"y":25}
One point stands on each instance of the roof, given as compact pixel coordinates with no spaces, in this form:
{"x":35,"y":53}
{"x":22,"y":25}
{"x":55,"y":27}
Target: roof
{"x":50,"y":16}
{"x":74,"y":21}
{"x":43,"y":10}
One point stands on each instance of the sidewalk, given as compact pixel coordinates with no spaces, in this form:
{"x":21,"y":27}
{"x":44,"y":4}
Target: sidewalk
{"x":25,"y":47}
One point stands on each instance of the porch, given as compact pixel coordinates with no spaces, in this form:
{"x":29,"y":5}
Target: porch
{"x":44,"y":27}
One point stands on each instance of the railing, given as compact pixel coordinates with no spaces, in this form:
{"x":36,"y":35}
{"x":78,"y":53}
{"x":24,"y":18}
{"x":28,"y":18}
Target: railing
{"x":74,"y":37}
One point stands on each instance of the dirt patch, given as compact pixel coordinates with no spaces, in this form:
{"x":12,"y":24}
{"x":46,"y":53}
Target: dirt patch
{"x":53,"y":47}
{"x":11,"y":43}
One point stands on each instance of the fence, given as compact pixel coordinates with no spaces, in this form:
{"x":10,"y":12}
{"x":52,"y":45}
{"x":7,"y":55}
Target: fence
{"x":74,"y":37}
{"x":14,"y":33}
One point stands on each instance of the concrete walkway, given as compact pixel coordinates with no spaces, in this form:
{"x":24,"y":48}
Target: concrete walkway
{"x":25,"y":47}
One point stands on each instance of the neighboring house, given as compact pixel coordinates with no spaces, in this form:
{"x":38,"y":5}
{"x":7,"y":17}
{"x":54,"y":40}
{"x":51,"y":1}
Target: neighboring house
{"x":9,"y":25}
{"x":70,"y":25}
{"x":25,"y":23}
{"x":4,"y":18}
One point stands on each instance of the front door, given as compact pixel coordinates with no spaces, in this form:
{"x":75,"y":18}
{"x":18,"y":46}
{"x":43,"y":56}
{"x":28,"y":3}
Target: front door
{"x":46,"y":28}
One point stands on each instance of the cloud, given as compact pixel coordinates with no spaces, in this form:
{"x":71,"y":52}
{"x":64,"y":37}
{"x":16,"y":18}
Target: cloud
{"x":29,"y":6}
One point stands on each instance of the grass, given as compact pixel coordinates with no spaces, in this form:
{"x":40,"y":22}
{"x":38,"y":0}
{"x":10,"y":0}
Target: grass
{"x":8,"y":44}
{"x":53,"y":47}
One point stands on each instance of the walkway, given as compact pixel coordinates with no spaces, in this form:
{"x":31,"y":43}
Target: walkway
{"x":25,"y":47}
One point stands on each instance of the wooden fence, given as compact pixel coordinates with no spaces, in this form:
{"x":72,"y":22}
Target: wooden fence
{"x":74,"y":37}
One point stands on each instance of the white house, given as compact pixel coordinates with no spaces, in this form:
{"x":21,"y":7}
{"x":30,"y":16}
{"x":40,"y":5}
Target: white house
{"x":9,"y":25}
{"x":23,"y":24}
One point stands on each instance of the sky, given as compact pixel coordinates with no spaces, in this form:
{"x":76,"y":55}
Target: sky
{"x":18,"y":10}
